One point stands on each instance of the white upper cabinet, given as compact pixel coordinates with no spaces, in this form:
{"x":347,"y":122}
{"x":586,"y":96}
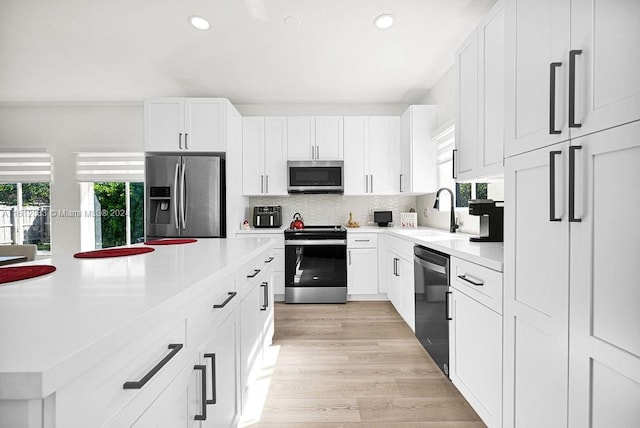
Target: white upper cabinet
{"x":315,"y":138}
{"x":466,"y":154}
{"x":491,"y":93}
{"x":329,"y":138}
{"x":356,"y":167}
{"x":418,"y":172}
{"x":480,"y":100}
{"x":302,"y":138}
{"x":264,"y":155}
{"x":604,"y":42}
{"x":563,"y":78}
{"x":536,"y":74}
{"x":371,"y":154}
{"x":185,"y":124}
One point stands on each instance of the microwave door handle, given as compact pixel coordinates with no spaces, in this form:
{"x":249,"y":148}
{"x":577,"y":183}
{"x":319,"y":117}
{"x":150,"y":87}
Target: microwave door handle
{"x":175,"y":195}
{"x":183,"y":197}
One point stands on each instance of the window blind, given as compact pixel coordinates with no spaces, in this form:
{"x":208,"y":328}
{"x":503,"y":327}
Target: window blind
{"x":25,"y":167}
{"x":111,"y":166}
{"x":445,"y":143}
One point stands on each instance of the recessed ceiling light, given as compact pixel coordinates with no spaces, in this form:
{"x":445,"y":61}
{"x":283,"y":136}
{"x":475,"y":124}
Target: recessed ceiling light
{"x":199,"y":22}
{"x":383,"y":21}
{"x":292,"y":21}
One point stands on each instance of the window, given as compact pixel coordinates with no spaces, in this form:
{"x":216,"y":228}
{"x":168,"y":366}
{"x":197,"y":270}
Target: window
{"x":119,"y":213}
{"x":24,"y":215}
{"x":112,"y":198}
{"x":445,"y":143}
{"x":467,"y":191}
{"x":25,"y":200}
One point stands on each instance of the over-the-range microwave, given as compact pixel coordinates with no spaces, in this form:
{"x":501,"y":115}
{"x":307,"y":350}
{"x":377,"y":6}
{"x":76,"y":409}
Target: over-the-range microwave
{"x":315,"y":176}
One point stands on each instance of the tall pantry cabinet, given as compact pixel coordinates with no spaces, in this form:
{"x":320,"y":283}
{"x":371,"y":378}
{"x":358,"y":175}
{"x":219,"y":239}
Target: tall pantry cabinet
{"x":572,"y":142}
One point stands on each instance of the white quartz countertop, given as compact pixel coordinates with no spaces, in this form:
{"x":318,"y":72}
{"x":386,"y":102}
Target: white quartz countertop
{"x":488,"y":254}
{"x":50,"y":326}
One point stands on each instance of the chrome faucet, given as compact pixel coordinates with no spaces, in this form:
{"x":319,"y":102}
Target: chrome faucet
{"x":452,"y":226}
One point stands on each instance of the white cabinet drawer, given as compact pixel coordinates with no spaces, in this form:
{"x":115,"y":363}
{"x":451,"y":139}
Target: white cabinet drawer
{"x":401,"y":247}
{"x":362,"y":240}
{"x":252,"y":272}
{"x":222,"y":301}
{"x":99,"y":393}
{"x":478,"y":282}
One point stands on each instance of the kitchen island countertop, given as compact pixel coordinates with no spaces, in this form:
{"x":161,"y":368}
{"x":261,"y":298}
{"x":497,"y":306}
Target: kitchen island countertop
{"x":54,"y":326}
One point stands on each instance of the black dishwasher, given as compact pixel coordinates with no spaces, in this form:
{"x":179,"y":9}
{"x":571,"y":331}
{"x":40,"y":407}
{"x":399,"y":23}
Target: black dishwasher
{"x":431,"y":280}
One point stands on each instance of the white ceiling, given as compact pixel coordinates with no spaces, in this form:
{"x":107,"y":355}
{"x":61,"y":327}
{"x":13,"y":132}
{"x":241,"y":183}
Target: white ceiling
{"x":126,"y":50}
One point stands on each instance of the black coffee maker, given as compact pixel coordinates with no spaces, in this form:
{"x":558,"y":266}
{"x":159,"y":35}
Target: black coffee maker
{"x":491,"y":219}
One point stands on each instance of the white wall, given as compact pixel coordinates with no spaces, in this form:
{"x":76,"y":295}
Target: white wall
{"x":62,"y":130}
{"x":443,"y":95}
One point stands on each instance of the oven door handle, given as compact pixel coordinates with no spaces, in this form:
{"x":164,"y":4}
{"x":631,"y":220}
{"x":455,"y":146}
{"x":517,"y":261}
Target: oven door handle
{"x":314,"y":242}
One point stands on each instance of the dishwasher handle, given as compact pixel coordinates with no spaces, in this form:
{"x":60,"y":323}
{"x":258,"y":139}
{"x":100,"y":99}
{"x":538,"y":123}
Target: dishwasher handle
{"x":431,"y":266}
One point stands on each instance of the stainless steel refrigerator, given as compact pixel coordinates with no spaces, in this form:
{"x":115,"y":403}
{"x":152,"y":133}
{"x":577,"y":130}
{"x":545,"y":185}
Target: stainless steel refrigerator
{"x":185,"y":196}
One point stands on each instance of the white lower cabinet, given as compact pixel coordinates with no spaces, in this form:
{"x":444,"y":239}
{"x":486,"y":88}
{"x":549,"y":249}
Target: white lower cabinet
{"x":362,"y":257}
{"x":179,"y":404}
{"x":220,"y":357}
{"x":475,"y":338}
{"x":277,"y":259}
{"x":400,"y":278}
{"x":250,"y":335}
{"x":205,"y":393}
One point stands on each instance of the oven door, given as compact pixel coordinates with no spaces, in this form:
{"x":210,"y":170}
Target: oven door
{"x":316,"y":263}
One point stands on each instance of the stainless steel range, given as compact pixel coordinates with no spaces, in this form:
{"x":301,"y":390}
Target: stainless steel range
{"x":316,"y":264}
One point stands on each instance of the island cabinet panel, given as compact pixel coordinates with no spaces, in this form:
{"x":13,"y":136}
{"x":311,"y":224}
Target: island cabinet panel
{"x":222,"y":380}
{"x":178,"y":405}
{"x":255,"y":317}
{"x":132,"y":363}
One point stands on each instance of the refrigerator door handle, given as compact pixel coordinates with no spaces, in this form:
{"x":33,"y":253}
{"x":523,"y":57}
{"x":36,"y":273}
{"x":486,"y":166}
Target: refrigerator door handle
{"x":183,"y":197}
{"x":175,"y":195}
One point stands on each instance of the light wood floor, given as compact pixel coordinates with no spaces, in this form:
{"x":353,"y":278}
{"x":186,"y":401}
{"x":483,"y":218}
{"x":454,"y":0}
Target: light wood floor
{"x":355,"y":365}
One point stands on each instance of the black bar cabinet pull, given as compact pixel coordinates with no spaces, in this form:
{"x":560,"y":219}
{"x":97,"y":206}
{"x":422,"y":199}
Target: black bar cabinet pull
{"x":572,"y":184}
{"x":175,"y":348}
{"x":552,"y":97}
{"x":266,"y":296}
{"x":453,"y":164}
{"x":572,"y":89}
{"x":446,"y":302}
{"x":203,"y":370}
{"x":255,"y":272}
{"x":552,"y":185}
{"x":269,"y":260}
{"x":232,"y":294}
{"x":471,"y":281}
{"x":214,"y":394}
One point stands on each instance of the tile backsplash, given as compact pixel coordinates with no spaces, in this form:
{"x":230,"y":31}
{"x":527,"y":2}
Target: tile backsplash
{"x":334,"y":209}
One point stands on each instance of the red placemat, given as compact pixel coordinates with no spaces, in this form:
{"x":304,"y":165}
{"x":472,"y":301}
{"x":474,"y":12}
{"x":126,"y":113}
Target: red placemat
{"x":170,"y":241}
{"x":9,"y":274}
{"x":112,"y":252}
